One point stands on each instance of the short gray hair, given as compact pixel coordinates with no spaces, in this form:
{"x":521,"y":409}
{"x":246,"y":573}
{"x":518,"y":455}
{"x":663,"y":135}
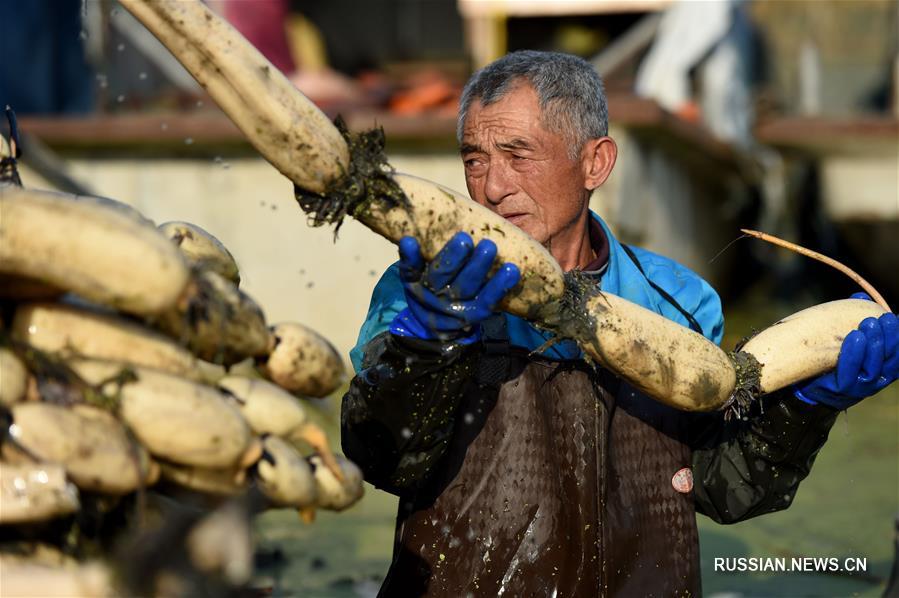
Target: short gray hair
{"x":569,"y":90}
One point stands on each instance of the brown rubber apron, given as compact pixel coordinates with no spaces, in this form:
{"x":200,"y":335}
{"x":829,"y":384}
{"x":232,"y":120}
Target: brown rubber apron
{"x":557,"y":484}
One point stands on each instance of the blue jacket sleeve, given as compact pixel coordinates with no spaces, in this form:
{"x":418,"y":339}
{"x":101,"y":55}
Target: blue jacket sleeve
{"x":387,"y":301}
{"x":693,"y":293}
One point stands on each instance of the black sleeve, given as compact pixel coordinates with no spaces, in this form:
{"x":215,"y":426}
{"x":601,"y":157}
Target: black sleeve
{"x":398,"y":414}
{"x":746,"y":468}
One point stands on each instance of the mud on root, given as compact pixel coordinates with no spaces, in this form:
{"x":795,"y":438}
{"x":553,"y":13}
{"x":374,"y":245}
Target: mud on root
{"x":367,"y":181}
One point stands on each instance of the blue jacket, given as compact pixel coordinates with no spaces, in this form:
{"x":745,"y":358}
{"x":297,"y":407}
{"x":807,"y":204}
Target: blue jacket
{"x":621,"y":277}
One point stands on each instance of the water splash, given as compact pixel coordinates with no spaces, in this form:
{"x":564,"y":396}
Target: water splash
{"x":82,"y":35}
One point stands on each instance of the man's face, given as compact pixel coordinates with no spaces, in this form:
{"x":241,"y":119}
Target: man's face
{"x":520,"y":170}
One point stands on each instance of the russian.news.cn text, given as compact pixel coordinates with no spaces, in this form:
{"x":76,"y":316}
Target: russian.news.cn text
{"x":751,"y":564}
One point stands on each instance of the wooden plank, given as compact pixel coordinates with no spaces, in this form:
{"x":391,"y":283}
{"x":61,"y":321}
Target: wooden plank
{"x":544,"y":8}
{"x":826,"y":135}
{"x":646,"y":118}
{"x":202,"y":129}
{"x":132,"y":129}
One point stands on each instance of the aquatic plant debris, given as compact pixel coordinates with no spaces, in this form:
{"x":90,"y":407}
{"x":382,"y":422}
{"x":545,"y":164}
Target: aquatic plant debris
{"x":748,"y":388}
{"x":569,"y":317}
{"x":367,"y":180}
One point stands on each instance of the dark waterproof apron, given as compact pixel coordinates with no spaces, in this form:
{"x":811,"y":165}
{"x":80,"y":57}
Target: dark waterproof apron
{"x":557,"y":482}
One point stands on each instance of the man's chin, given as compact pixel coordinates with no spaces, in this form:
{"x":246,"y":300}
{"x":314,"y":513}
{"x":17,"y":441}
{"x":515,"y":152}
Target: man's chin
{"x":529,"y":230}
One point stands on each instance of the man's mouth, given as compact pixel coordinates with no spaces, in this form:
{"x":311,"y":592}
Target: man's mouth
{"x":516,"y":218}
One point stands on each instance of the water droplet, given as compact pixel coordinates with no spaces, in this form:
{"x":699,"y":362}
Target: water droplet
{"x":102,"y":81}
{"x":372,"y":273}
{"x":82,"y":35}
{"x":225,"y":165}
{"x":217,"y":159}
{"x":120,"y":98}
{"x":114,"y":12}
{"x":189,"y":141}
{"x":199,"y":103}
{"x":120,"y":48}
{"x":164,"y":126}
{"x":468,"y":418}
{"x":310,"y":285}
{"x":142,"y":76}
{"x":406,"y":433}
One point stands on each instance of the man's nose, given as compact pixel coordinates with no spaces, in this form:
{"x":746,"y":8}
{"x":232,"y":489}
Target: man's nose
{"x":498,"y":183}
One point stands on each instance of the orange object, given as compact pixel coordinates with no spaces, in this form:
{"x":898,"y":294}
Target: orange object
{"x":689,"y":112}
{"x":432,"y":92}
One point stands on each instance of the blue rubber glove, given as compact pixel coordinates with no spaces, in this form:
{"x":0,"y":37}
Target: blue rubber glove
{"x":450,"y":296}
{"x":868,"y":363}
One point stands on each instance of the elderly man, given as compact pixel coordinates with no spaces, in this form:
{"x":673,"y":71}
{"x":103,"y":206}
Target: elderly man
{"x":529,"y":471}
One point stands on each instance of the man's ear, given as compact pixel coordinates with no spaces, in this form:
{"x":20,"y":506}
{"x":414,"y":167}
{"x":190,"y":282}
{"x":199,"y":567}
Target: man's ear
{"x":598,"y":159}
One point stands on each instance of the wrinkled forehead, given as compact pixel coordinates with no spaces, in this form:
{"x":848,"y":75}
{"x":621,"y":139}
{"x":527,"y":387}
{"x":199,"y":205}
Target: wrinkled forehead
{"x":498,"y":92}
{"x":519,"y":95}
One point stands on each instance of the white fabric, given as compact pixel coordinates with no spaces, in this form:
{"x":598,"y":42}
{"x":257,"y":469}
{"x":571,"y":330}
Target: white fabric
{"x":712,"y":38}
